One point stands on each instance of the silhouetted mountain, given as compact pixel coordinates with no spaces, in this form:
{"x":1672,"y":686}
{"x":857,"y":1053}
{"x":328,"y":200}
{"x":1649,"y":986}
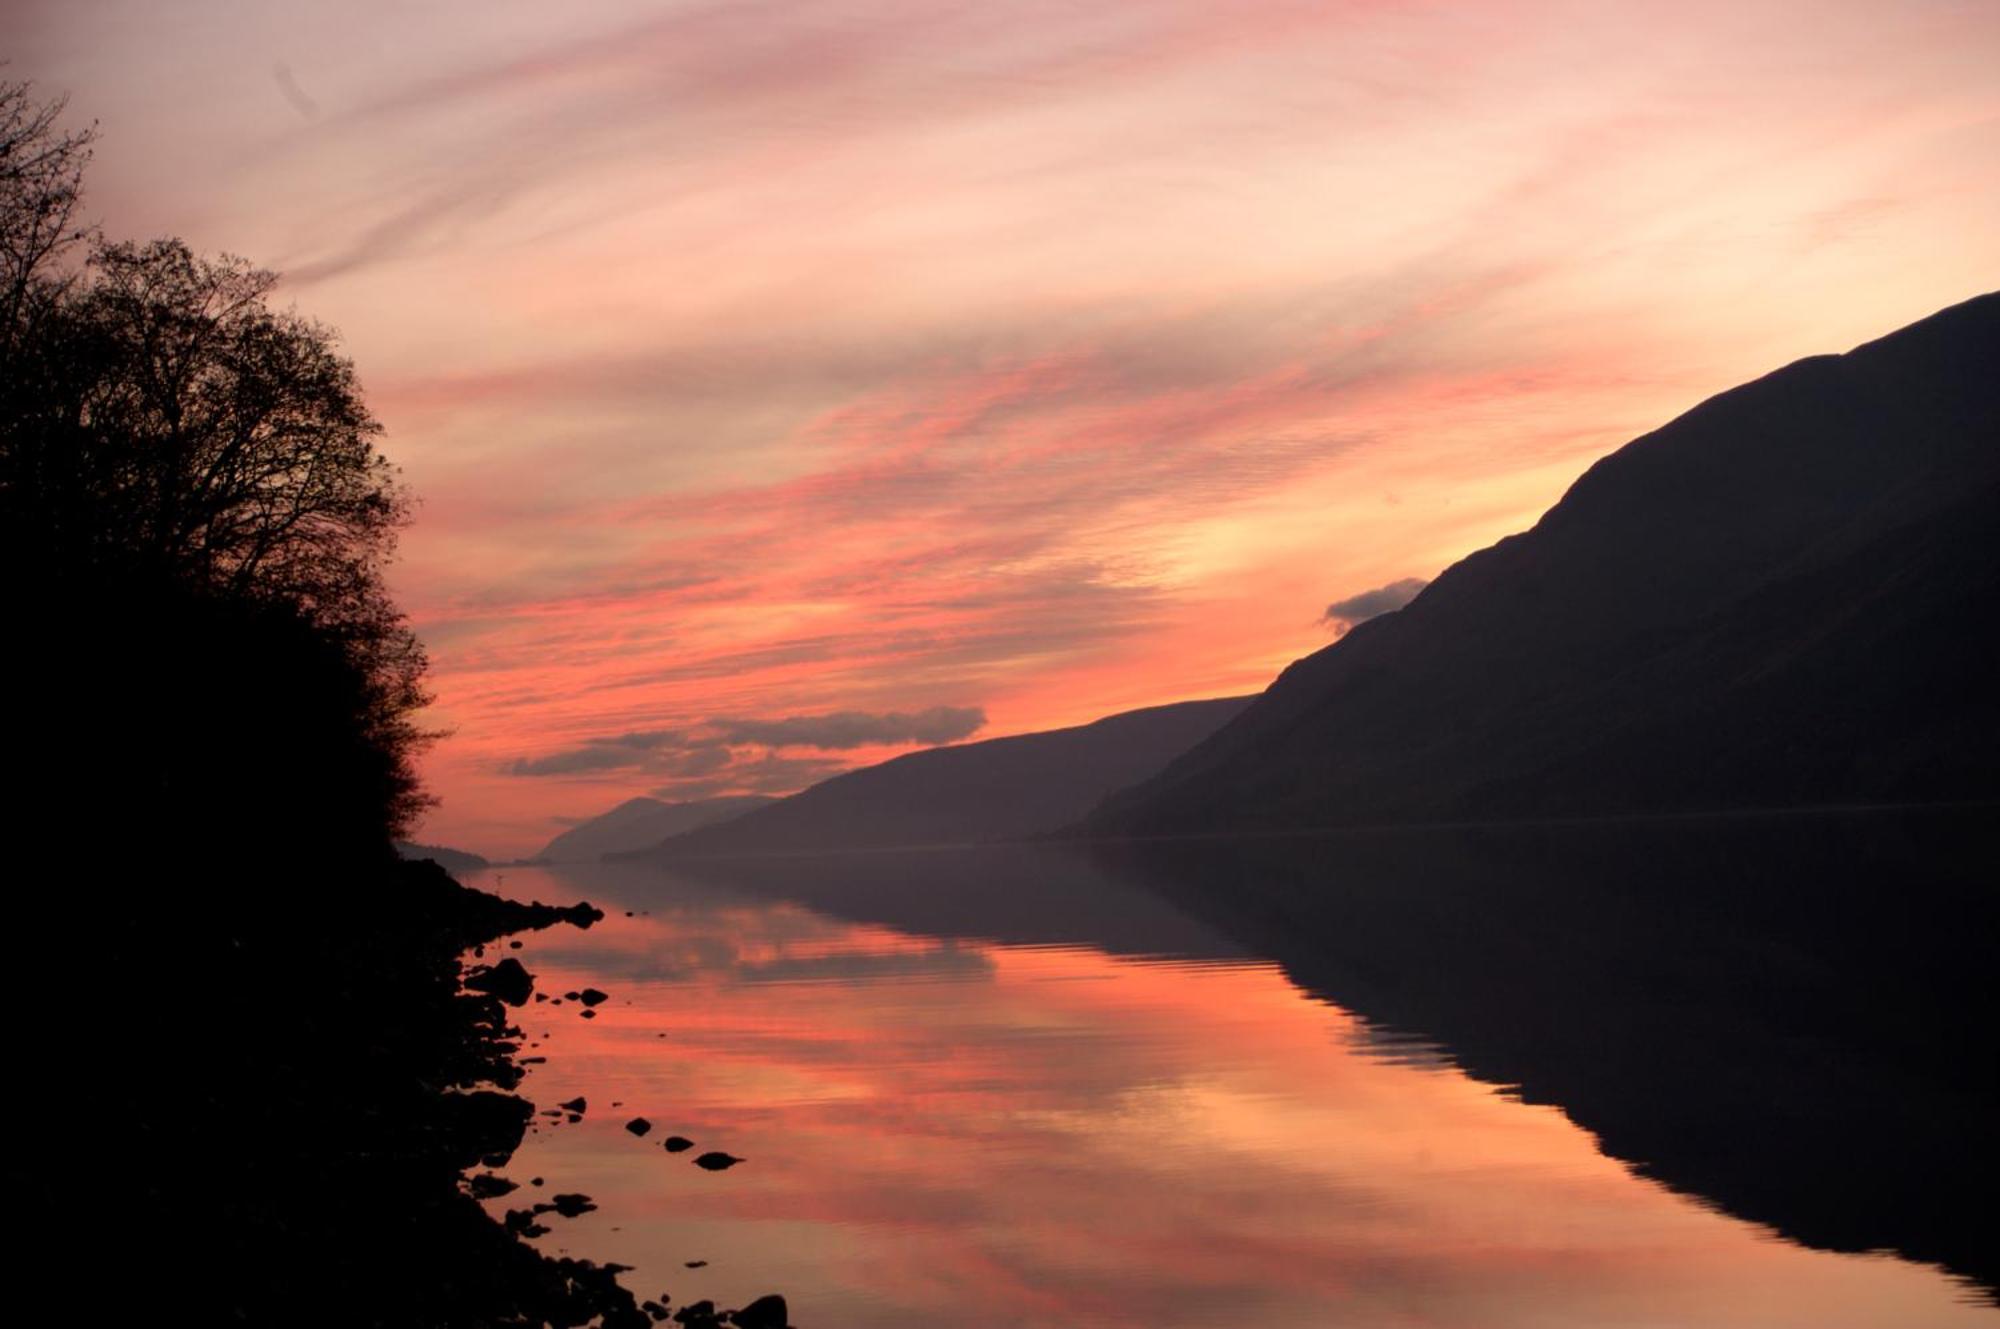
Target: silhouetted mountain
{"x":1785,"y":597}
{"x":453,"y":861}
{"x":999,"y":789}
{"x":640,"y":823}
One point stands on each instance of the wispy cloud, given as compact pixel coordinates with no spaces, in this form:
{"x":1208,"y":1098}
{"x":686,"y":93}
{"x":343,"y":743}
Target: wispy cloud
{"x":842,"y":730}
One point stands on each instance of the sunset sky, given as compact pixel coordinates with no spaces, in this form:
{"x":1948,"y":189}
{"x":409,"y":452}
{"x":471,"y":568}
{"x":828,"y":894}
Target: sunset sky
{"x":788,"y":384}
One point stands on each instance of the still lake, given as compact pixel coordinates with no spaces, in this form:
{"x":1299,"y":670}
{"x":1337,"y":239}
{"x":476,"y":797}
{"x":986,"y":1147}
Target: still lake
{"x":1015,"y":1087}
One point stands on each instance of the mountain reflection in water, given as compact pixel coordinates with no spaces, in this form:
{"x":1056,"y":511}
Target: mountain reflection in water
{"x":1158,"y":1084}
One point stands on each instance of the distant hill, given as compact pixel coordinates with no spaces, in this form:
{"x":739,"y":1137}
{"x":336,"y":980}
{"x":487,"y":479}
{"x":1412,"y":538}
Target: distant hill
{"x":999,"y":789}
{"x":1785,"y":597}
{"x":640,"y":823}
{"x":454,"y":861}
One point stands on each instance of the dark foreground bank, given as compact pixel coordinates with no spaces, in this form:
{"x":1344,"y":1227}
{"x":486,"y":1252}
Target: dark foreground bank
{"x":265,"y":1117}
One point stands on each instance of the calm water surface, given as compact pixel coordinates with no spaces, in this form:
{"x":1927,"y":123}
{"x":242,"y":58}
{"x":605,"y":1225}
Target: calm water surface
{"x":980,"y":1122}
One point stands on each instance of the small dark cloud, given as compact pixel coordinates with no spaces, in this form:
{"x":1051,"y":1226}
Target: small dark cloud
{"x":617,"y":752}
{"x":855,"y":729}
{"x":281,"y":74}
{"x":645,"y":740}
{"x":734,"y":754}
{"x":1344,"y":614}
{"x":578,"y":761}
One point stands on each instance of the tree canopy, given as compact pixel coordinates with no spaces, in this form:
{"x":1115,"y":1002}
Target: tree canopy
{"x":162,"y":424}
{"x":41,"y":188}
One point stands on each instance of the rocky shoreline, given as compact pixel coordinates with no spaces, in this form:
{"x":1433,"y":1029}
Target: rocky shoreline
{"x":279,"y":1111}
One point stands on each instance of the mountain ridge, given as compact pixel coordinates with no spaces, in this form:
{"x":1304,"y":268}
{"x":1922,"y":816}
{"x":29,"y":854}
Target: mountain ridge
{"x":997,"y":789}
{"x":642,"y":821}
{"x":1630,"y":607}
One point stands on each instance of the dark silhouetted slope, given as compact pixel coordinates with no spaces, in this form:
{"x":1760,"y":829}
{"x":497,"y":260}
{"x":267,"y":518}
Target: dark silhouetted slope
{"x":999,"y":789}
{"x":1785,"y":597}
{"x":640,"y":823}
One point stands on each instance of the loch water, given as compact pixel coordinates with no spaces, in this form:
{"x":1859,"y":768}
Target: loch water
{"x":1667,"y":1075}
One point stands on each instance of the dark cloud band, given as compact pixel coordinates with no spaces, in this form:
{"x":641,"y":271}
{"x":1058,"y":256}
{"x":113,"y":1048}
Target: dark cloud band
{"x":713,"y":748}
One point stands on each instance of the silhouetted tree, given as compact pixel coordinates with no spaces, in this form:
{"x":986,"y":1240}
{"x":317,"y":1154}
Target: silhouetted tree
{"x":41,"y":187}
{"x":161,"y":425}
{"x":208,"y":702}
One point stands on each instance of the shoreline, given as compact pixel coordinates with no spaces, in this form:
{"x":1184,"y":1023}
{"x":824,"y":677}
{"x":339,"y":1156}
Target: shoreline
{"x":268,"y":1106}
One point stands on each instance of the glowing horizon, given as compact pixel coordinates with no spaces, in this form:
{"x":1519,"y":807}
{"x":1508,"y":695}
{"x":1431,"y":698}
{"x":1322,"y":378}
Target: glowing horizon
{"x":757,"y":362}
